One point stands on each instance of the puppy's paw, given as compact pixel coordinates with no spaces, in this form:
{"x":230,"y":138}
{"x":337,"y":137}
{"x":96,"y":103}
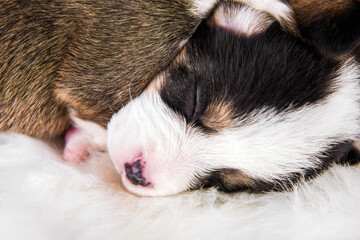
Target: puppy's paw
{"x":82,"y":139}
{"x":76,"y":146}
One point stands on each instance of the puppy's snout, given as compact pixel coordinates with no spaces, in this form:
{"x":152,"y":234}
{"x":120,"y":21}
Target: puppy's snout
{"x":135,"y":173}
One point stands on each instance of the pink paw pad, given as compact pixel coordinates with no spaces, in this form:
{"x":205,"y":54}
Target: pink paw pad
{"x":76,"y":146}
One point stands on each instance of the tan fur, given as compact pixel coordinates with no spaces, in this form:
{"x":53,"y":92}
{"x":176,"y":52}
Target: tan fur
{"x":235,"y":178}
{"x":156,"y":84}
{"x":218,"y":115}
{"x":182,"y":57}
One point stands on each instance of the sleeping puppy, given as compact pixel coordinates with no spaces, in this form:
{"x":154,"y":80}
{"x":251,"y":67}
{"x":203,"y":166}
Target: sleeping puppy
{"x":258,"y":99}
{"x":65,"y":61}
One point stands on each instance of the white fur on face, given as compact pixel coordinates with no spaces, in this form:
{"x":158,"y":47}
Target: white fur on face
{"x":267,"y":145}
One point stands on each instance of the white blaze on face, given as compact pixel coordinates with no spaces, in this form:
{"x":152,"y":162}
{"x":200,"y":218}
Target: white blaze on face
{"x":147,"y":129}
{"x":267,"y":145}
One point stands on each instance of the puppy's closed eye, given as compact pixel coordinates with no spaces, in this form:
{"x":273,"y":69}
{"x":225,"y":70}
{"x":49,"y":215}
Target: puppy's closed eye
{"x":194,"y":104}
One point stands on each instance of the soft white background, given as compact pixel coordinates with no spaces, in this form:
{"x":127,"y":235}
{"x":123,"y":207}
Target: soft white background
{"x":43,"y":197}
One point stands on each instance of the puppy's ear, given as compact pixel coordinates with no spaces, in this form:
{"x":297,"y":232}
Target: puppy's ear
{"x":333,"y":26}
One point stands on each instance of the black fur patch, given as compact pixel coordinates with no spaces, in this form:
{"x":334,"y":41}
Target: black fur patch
{"x":272,"y":69}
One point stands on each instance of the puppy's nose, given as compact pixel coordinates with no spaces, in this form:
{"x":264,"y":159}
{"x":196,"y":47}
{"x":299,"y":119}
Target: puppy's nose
{"x":134,"y":172}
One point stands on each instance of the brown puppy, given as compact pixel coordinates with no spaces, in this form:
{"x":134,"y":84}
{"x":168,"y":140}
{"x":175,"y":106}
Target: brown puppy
{"x":91,"y":56}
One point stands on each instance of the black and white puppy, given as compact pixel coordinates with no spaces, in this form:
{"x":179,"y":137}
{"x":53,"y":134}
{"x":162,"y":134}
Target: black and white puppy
{"x":247,"y":105}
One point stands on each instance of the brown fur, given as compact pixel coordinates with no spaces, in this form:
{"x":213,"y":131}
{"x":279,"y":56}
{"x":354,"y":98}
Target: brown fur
{"x":309,"y":11}
{"x":233,"y":177}
{"x":331,"y":25}
{"x":230,"y":180}
{"x":88,"y":55}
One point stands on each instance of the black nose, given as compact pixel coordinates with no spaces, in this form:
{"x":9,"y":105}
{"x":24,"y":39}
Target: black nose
{"x":134,"y":172}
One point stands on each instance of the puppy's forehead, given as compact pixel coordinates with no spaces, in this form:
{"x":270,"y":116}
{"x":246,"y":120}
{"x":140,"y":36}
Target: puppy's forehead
{"x":241,"y":73}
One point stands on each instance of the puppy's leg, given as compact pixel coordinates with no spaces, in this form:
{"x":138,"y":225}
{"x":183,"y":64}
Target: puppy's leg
{"x":83,"y":138}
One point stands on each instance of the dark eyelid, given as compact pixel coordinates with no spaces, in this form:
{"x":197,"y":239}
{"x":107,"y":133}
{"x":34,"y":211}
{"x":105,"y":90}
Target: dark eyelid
{"x":190,"y":103}
{"x":197,"y":109}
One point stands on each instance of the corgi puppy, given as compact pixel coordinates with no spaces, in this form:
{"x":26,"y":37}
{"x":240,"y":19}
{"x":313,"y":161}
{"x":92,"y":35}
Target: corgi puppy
{"x":264,"y":93}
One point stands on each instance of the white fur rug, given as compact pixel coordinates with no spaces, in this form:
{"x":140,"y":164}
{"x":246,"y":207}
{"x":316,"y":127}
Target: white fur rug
{"x":43,"y":197}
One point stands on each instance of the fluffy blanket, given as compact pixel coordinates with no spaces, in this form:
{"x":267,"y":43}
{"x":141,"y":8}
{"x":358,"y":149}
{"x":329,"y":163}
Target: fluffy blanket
{"x":43,"y":197}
